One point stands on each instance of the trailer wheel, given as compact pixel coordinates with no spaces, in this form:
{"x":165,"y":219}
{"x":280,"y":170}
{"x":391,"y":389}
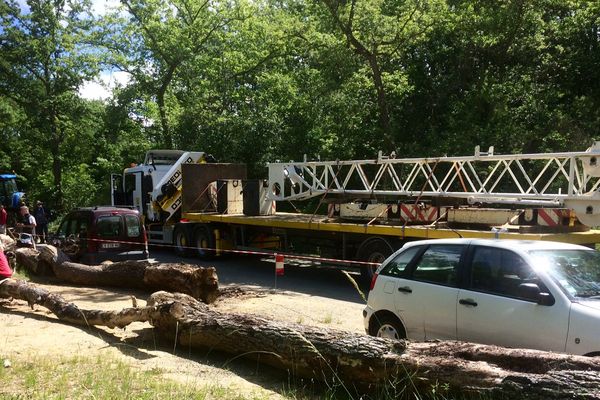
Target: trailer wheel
{"x":374,"y":250}
{"x":181,"y":239}
{"x":204,"y":242}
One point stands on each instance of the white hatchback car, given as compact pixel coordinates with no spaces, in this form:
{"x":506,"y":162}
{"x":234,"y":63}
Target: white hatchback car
{"x":537,"y":295}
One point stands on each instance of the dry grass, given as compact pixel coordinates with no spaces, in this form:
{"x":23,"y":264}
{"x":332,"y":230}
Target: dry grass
{"x":79,"y":377}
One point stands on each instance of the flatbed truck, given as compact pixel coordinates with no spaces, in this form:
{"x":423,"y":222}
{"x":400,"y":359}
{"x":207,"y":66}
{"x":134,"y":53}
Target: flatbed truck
{"x":209,"y":209}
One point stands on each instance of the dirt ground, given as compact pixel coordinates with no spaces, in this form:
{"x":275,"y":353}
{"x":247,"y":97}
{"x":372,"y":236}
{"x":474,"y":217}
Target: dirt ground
{"x":27,"y":332}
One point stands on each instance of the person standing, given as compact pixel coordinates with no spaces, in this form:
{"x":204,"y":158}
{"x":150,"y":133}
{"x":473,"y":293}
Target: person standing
{"x":41,"y":220}
{"x":5,"y":271}
{"x":28,"y":224}
{"x":3,"y":219}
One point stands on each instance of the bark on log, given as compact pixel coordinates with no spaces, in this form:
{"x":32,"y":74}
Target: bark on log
{"x":345,"y":357}
{"x":28,"y":258}
{"x":335,"y":356}
{"x":69,"y":312}
{"x":8,"y":243}
{"x":199,"y":282}
{"x":51,"y":255}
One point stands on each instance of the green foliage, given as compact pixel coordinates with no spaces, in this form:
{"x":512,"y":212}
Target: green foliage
{"x":260,"y":81}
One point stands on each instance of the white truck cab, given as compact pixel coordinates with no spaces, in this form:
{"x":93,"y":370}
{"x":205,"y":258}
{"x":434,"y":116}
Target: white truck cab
{"x":157,"y":179}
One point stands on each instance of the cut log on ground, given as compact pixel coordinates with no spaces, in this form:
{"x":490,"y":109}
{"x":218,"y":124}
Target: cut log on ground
{"x":8,"y":243}
{"x":28,"y":258}
{"x":199,"y":282}
{"x":347,"y":358}
{"x":69,"y":312}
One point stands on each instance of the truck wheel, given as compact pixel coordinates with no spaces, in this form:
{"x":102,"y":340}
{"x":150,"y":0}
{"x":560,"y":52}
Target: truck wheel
{"x":374,"y":250}
{"x":204,"y":242}
{"x":182,"y":241}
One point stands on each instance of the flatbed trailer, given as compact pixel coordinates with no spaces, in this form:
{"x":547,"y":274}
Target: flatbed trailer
{"x":374,"y":206}
{"x":329,"y":238}
{"x":319,"y":223}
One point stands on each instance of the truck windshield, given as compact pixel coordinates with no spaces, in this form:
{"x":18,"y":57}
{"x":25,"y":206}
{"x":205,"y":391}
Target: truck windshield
{"x":7,"y":187}
{"x":577,"y":271}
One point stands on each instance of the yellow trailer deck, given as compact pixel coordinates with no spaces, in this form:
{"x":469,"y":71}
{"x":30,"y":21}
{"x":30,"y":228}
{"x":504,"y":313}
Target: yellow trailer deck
{"x":320,"y":223}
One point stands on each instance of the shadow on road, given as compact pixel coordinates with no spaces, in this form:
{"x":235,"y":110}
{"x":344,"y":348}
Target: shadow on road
{"x":252,"y":270}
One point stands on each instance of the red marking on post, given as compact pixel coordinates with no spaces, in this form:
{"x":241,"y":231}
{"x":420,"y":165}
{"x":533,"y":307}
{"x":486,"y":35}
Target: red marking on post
{"x":279,"y":264}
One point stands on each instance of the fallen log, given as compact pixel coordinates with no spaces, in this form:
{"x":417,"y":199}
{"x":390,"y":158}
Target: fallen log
{"x":346,"y":358}
{"x":8,"y":243}
{"x":28,"y":258}
{"x":199,"y":282}
{"x":69,"y":312}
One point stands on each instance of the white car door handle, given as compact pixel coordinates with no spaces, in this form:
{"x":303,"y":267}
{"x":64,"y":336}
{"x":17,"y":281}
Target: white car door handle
{"x":468,"y":302}
{"x":405,"y":289}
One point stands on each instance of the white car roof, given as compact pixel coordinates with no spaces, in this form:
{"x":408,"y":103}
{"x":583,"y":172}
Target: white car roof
{"x":523,"y":245}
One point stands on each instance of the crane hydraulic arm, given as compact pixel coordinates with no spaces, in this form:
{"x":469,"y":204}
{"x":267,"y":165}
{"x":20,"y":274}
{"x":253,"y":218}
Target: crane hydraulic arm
{"x":569,"y":179}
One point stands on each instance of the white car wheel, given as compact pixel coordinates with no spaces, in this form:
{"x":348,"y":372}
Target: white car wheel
{"x":388,"y":331}
{"x":387,"y":326}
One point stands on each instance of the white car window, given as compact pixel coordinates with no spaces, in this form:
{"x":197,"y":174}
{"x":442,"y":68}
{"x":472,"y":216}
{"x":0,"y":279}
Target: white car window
{"x":501,"y":272}
{"x":397,"y":267}
{"x":577,"y":271}
{"x":439,"y":264}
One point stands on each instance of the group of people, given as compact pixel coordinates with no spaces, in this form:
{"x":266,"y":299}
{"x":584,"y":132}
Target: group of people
{"x":35,"y":224}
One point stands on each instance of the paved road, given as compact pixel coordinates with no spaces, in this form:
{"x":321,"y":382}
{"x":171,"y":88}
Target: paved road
{"x":252,"y":270}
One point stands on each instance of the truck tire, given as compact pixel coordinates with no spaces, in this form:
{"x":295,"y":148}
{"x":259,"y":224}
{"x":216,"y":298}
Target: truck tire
{"x":204,"y":242}
{"x":181,"y":240}
{"x":374,"y":250}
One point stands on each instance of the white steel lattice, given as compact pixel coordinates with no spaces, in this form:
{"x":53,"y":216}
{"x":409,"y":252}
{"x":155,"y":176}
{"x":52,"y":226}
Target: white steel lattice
{"x":569,"y":179}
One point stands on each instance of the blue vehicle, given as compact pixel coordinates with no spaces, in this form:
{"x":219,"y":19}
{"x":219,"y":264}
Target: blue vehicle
{"x":10,"y":195}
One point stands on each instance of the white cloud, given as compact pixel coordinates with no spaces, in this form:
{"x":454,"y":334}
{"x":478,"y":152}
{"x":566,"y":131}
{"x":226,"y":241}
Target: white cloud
{"x":101,"y":7}
{"x":101,"y":88}
{"x":24,"y":6}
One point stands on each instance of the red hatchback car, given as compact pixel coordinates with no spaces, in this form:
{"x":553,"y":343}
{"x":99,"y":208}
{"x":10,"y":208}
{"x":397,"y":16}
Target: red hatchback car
{"x":92,"y":235}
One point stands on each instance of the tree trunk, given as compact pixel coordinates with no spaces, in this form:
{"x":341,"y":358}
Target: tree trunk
{"x":354,"y":359}
{"x":382,"y":103}
{"x":28,"y":258}
{"x":199,"y":282}
{"x":56,"y":140}
{"x":350,"y":359}
{"x":160,"y":100}
{"x":370,"y":56}
{"x":69,"y":312}
{"x":164,"y":122}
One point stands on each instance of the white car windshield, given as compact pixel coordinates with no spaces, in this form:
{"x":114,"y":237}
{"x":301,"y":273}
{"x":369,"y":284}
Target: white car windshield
{"x":577,"y":271}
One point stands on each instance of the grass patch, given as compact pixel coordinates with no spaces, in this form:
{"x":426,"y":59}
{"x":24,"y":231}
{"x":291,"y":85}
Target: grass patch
{"x":21,"y":274}
{"x":327,"y":319}
{"x":80,"y":377}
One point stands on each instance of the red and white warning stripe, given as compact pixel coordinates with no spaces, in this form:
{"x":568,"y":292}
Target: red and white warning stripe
{"x":250,"y":252}
{"x":418,"y":213}
{"x":552,"y":216}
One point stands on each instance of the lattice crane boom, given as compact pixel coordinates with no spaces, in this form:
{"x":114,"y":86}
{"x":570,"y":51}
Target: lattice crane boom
{"x":567,"y":179}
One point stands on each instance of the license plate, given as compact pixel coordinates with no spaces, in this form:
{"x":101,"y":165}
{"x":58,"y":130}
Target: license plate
{"x":110,"y":245}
